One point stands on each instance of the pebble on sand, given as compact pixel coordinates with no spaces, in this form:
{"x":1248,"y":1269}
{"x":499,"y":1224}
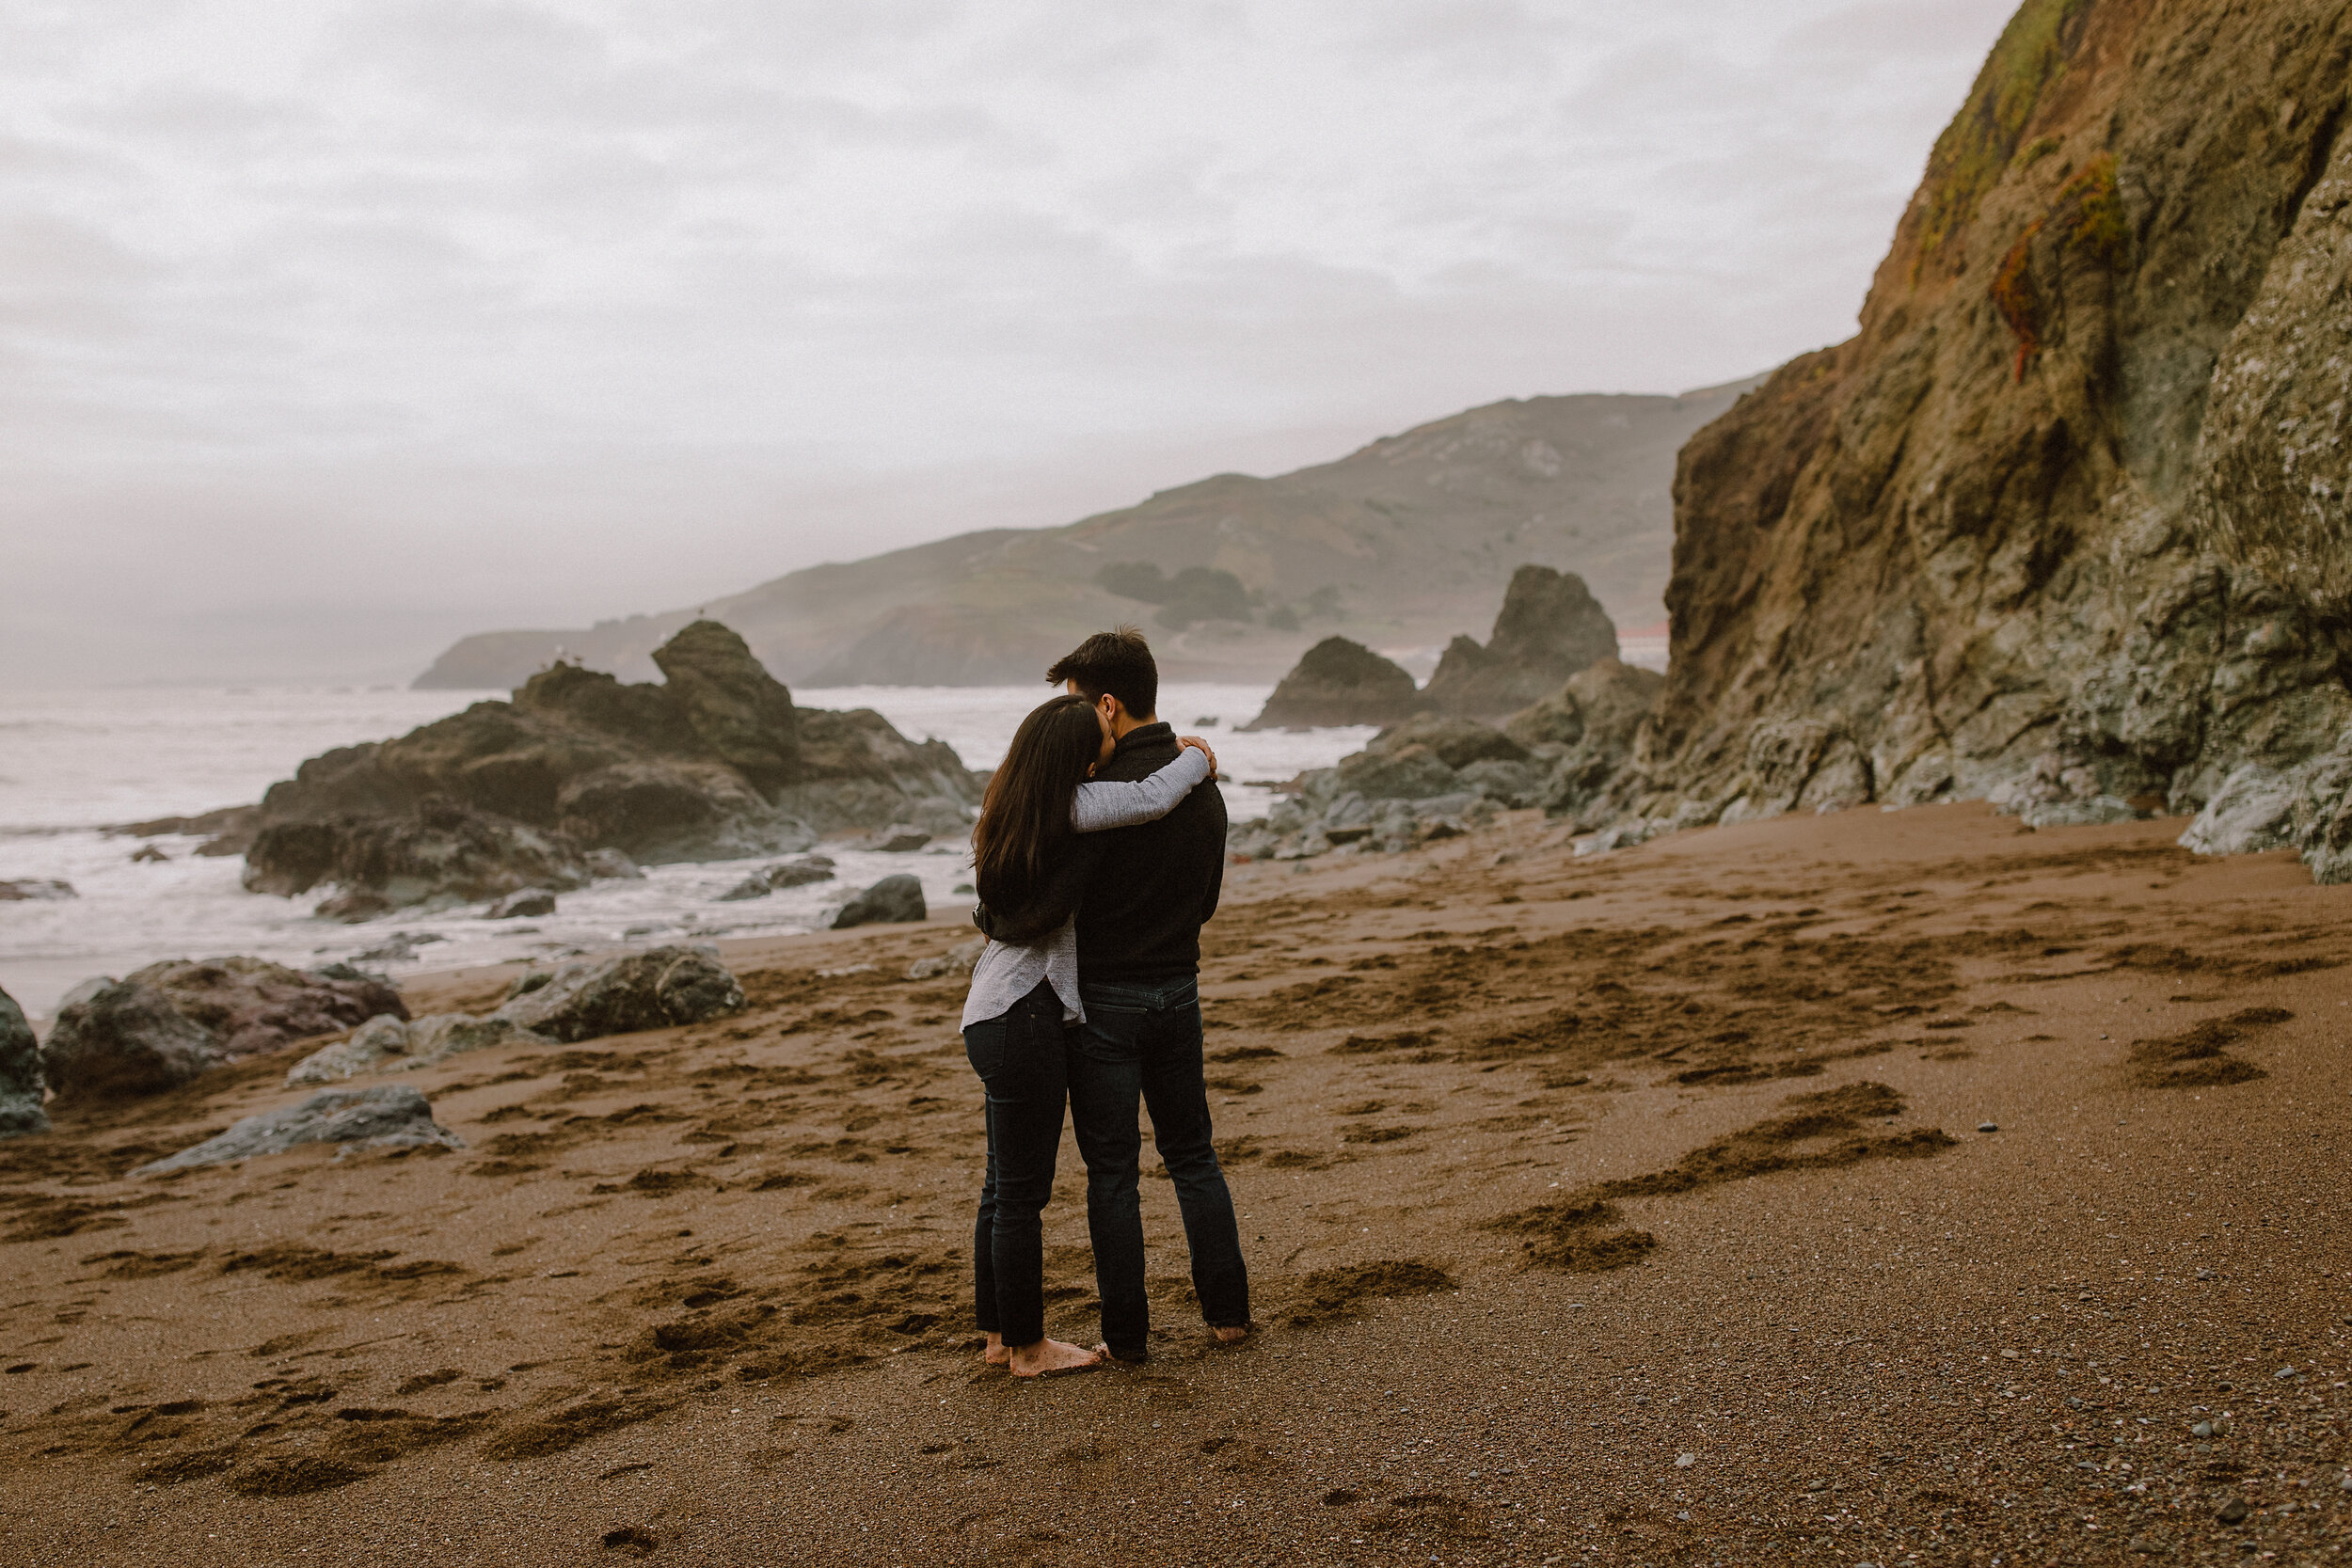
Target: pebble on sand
{"x":1988,"y":1127}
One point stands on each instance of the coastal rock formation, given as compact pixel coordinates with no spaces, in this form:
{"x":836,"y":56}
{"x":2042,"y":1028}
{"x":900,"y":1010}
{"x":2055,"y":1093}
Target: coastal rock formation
{"x":32,"y":890}
{"x":20,"y":1087}
{"x":438,"y":847}
{"x":393,"y":1116}
{"x":162,"y":1025}
{"x":550,"y":791}
{"x":2067,"y":517}
{"x":1339,"y":682}
{"x":894,"y":900}
{"x":658,"y":989}
{"x":1433,"y":777}
{"x":1549,"y":627}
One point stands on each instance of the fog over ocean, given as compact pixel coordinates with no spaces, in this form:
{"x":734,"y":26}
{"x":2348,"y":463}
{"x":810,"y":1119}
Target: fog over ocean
{"x":72,"y":761}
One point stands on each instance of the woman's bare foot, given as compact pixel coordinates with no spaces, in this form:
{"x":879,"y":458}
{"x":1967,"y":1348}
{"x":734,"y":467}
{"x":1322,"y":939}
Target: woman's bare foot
{"x":1102,"y":1349}
{"x":1230,"y":1336}
{"x":1051,"y":1355}
{"x":997,"y":1354}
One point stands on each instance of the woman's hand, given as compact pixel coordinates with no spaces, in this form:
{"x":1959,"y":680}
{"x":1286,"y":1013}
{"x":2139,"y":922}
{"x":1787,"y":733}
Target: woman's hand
{"x":1203,"y":747}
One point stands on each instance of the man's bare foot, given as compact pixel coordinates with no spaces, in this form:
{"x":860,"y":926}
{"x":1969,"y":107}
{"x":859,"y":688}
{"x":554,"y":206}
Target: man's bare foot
{"x":1102,"y":1349}
{"x":997,"y":1354}
{"x":1051,"y":1355}
{"x":1230,"y":1335}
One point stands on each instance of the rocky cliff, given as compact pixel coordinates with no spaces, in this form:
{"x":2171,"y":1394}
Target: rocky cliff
{"x":2048,"y":526}
{"x":715,"y":761}
{"x":1549,"y":627}
{"x":1398,"y":545}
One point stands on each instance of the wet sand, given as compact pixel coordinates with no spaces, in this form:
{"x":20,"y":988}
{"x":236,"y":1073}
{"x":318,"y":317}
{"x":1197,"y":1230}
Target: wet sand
{"x":1629,"y":1210}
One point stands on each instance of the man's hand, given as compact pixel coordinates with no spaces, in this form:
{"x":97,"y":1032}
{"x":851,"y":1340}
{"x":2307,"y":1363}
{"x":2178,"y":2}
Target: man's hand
{"x":1203,"y":747}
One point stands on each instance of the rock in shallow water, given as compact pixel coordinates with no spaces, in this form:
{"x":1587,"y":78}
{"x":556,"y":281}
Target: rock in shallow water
{"x":36,"y":889}
{"x":792,"y":872}
{"x":523,"y":903}
{"x":21,"y":1087}
{"x":391,"y":1116}
{"x":894,"y":900}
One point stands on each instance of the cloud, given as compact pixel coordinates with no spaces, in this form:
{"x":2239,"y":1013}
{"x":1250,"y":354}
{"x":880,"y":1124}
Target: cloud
{"x":300,"y":305}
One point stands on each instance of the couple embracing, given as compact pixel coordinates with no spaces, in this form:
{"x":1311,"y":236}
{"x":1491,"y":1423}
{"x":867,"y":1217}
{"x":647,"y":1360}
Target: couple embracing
{"x":1100,"y":853}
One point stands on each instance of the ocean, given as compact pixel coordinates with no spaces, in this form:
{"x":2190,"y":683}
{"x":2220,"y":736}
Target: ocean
{"x":72,"y":763}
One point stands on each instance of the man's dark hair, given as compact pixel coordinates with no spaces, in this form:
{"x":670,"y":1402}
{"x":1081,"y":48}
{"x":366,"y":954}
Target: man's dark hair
{"x":1118,"y":662}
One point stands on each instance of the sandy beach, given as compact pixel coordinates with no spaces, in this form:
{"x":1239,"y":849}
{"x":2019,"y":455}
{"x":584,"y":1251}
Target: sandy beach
{"x":1627,"y":1210}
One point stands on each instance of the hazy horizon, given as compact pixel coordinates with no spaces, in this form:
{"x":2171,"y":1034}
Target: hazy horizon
{"x":338,"y":334}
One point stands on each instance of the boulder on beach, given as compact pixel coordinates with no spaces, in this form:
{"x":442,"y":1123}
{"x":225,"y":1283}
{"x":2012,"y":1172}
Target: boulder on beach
{"x":387,"y":1044}
{"x":1456,"y":742}
{"x":1587,"y":729}
{"x":1549,"y":627}
{"x":164,"y":1024}
{"x":113,"y":1040}
{"x":20,"y":1085}
{"x":715,"y":763}
{"x":654,"y":989}
{"x":253,"y":1006}
{"x":798,"y":872}
{"x":894,"y":900}
{"x":36,"y":889}
{"x":390,"y":1117}
{"x":900,"y":838}
{"x":958,"y":959}
{"x":1339,"y":682}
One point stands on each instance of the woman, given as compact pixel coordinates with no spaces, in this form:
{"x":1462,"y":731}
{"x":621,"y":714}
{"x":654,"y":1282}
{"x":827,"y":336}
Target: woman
{"x":1031,"y":869}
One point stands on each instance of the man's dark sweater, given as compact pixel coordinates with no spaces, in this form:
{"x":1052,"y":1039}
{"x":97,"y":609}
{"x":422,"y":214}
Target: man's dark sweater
{"x":1153,"y":885}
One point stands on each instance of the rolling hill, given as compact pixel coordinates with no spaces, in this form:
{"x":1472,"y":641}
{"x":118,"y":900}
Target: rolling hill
{"x":1400,"y":545}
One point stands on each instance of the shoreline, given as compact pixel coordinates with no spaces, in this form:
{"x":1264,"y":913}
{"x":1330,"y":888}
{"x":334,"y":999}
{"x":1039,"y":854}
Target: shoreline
{"x":1552,"y":1172}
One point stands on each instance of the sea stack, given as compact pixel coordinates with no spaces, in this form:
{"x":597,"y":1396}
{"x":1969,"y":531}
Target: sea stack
{"x":1339,"y":682}
{"x":714,"y":763}
{"x":1549,"y":627}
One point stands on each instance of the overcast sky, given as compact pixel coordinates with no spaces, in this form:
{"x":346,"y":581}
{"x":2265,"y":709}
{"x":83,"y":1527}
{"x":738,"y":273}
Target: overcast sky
{"x":334,"y":331}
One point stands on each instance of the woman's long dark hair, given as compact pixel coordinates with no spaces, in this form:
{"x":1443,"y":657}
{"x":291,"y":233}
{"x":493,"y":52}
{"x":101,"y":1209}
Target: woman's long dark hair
{"x":1024,"y":816}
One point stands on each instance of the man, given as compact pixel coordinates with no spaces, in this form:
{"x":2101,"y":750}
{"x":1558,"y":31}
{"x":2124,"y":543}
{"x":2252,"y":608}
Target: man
{"x":1138,"y":978}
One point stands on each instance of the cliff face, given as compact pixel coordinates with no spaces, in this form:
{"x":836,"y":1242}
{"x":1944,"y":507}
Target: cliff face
{"x":2009,"y":540}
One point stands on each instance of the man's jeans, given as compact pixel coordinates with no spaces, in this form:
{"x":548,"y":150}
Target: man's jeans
{"x":1142,"y":1041}
{"x":1021,"y":1058}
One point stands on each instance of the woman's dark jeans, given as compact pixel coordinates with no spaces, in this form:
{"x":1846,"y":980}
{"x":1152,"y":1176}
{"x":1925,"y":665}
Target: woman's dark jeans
{"x":1141,"y":1041}
{"x":1022,"y":1058}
